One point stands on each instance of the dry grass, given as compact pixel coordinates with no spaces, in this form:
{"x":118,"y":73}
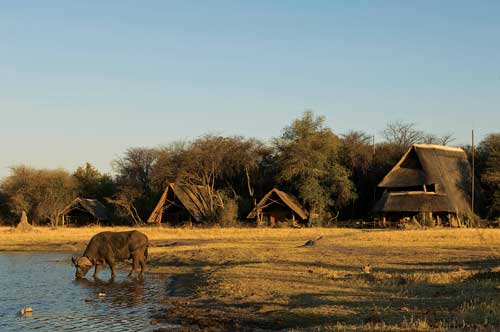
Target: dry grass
{"x":237,"y":278}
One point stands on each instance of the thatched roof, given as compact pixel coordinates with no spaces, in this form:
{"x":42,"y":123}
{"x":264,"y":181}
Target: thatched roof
{"x":414,"y":202}
{"x":92,"y":206}
{"x":426,"y":164}
{"x":197,"y":200}
{"x":286,"y":199}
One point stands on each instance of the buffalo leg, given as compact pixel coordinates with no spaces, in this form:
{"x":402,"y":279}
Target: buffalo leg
{"x":142,"y":266}
{"x":96,"y":270}
{"x":135,"y":264}
{"x":111,"y":264}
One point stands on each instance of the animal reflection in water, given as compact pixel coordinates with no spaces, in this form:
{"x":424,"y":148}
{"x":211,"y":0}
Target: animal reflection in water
{"x":110,"y":247}
{"x":126,"y":293}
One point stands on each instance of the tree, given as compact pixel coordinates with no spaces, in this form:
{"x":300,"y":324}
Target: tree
{"x":356,"y":155}
{"x":488,"y":161}
{"x":308,"y":163}
{"x":229,"y":164}
{"x":167,"y":167}
{"x":6,"y":217}
{"x":42,"y":193}
{"x":134,"y":197}
{"x":402,"y":135}
{"x":93,"y":184}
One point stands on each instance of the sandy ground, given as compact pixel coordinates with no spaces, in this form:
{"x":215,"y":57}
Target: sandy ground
{"x":247,"y":279}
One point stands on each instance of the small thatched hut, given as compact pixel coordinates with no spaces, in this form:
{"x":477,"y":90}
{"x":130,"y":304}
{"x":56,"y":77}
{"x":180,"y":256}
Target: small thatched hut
{"x":431,"y":184}
{"x":84,"y":211}
{"x":186,"y":203}
{"x":278,"y":206}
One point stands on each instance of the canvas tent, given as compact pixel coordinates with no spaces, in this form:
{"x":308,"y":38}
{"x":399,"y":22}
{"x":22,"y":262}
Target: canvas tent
{"x":186,"y":203}
{"x":85,"y":211}
{"x":431,"y":183}
{"x":278,"y":206}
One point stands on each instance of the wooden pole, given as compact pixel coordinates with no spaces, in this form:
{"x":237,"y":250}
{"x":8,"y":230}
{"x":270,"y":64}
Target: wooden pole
{"x":373,"y":157}
{"x":473,"y":175}
{"x":373,"y":144}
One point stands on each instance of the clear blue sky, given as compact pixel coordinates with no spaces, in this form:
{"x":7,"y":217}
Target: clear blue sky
{"x":83,"y":80}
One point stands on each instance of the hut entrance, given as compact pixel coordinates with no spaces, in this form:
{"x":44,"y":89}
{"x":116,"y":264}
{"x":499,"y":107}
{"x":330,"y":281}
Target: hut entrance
{"x":174,"y":213}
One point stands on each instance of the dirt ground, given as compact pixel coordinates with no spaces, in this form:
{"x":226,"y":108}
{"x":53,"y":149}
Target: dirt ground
{"x":247,"y":279}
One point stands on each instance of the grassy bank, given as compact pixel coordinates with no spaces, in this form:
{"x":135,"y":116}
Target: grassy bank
{"x":248,"y":279}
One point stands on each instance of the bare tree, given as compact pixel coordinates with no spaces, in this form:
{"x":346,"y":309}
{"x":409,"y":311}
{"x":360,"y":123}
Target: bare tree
{"x":134,"y":197}
{"x":402,"y":134}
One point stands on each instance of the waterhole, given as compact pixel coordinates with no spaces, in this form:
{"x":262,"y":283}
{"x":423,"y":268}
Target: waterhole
{"x":46,"y":283}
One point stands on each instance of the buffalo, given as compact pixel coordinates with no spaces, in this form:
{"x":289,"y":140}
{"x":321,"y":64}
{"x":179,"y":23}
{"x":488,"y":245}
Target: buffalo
{"x":108,"y":247}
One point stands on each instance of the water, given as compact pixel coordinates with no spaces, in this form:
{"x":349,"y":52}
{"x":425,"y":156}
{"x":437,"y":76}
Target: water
{"x":45,"y":282}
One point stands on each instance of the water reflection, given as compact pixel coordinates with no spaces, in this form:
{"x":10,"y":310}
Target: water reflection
{"x":126,"y":293}
{"x":61,"y":303}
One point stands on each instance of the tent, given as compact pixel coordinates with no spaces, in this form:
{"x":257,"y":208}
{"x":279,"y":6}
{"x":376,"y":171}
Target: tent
{"x":186,"y":203}
{"x":278,"y":206}
{"x":85,"y":211}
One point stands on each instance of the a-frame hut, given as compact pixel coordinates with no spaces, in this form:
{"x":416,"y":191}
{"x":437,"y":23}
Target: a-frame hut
{"x":181,"y":203}
{"x":430,"y":184}
{"x":84,"y":211}
{"x":278,"y":206}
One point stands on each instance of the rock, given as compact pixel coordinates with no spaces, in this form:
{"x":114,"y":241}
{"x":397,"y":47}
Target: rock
{"x":405,"y":309}
{"x":26,"y":311}
{"x":153,"y":322}
{"x":101,"y":295}
{"x":367,"y":268}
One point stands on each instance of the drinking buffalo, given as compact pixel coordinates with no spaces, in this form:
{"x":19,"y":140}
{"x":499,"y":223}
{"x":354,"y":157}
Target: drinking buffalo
{"x":108,"y":247}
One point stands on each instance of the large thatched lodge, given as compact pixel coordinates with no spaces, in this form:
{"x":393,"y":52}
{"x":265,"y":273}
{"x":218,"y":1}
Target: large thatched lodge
{"x":430,"y":185}
{"x":278,"y":206}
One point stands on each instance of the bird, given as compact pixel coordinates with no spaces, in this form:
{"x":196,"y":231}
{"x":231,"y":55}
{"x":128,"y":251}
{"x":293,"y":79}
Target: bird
{"x":310,"y":243}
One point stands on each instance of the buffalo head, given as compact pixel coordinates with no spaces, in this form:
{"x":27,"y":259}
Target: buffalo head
{"x":83,"y":265}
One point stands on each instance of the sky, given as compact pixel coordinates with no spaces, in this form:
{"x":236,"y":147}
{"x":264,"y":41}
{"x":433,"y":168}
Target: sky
{"x":84,"y":80}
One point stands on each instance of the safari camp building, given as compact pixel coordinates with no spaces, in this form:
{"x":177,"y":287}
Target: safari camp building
{"x":431,"y":184}
{"x":184,"y":203}
{"x":278,"y":206}
{"x":85,"y":211}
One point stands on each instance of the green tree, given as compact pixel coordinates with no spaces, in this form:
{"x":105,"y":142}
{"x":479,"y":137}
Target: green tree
{"x":356,"y":155}
{"x":488,"y":166}
{"x":308,"y":164}
{"x":92,"y":183}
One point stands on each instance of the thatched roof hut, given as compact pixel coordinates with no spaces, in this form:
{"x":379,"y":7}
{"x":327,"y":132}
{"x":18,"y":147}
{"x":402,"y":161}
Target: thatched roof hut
{"x":182,"y":203}
{"x":278,"y":206}
{"x":428,"y":179}
{"x":85,"y":211}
